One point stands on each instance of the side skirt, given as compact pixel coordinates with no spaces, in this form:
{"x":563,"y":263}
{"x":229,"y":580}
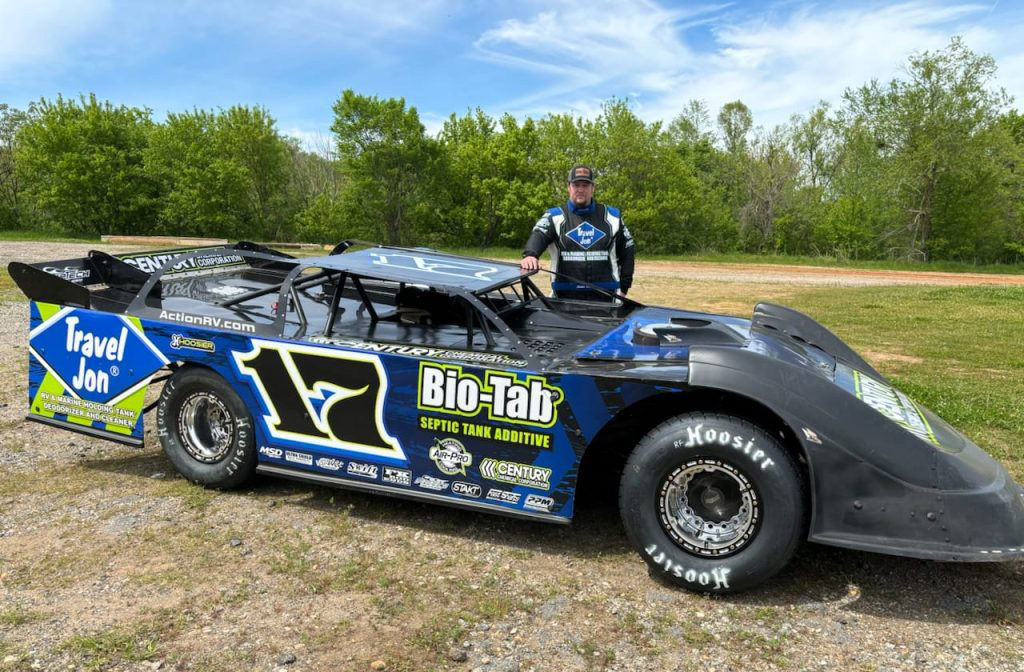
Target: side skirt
{"x":83,"y":429}
{"x":402,"y":493}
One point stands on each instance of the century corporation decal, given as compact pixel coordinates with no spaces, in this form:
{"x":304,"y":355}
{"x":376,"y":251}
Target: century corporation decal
{"x":514,"y":473}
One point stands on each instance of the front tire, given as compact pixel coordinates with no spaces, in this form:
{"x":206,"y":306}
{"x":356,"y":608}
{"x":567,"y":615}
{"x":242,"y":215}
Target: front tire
{"x":712,"y":503}
{"x":205,"y":429}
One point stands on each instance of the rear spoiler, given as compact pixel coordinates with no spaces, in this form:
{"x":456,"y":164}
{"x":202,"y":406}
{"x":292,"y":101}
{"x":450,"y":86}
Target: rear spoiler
{"x":65,"y":282}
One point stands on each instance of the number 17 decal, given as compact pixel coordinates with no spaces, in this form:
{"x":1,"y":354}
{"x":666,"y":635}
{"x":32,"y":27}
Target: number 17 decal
{"x":322,"y":396}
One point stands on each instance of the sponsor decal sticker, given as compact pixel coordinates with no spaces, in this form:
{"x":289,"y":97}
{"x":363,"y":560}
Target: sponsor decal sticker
{"x":178,"y":342}
{"x":276,"y":453}
{"x":96,"y":367}
{"x":476,"y":356}
{"x":450,"y":456}
{"x":586,"y":235}
{"x":70,"y":273}
{"x":300,"y":458}
{"x":475,"y":430}
{"x":396,"y":476}
{"x":503,"y":496}
{"x":538,"y":503}
{"x":466,"y":489}
{"x":468,"y":270}
{"x":150,"y":262}
{"x":894,"y":405}
{"x":362,"y":470}
{"x":432,"y":483}
{"x":329,"y":463}
{"x":515,"y":473}
{"x":206,"y":321}
{"x":447,"y":389}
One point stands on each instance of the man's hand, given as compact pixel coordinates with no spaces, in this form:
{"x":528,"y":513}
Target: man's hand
{"x":529,"y":264}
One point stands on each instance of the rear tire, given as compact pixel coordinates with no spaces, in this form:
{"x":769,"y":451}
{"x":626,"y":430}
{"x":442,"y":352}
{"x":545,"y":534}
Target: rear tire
{"x":712,"y":503}
{"x":205,"y":429}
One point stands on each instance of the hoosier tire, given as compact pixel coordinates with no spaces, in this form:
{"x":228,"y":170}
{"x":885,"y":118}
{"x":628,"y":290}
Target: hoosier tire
{"x":712,"y":503}
{"x":205,"y":429}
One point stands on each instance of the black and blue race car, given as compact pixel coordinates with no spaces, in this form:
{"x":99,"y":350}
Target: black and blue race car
{"x":455,"y":380}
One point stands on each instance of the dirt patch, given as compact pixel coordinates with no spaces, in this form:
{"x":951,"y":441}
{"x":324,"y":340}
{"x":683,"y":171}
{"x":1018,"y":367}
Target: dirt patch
{"x":109,"y":561}
{"x":881,"y":358}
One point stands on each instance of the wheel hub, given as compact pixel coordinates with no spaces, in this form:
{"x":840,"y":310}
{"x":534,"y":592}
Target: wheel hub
{"x":709,"y":507}
{"x":206,"y":426}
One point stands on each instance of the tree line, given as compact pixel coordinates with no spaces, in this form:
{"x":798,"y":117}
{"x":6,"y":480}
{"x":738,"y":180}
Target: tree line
{"x":925,"y":166}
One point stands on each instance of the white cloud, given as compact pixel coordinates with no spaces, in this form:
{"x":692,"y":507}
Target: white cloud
{"x":44,"y":31}
{"x":778,"y":60}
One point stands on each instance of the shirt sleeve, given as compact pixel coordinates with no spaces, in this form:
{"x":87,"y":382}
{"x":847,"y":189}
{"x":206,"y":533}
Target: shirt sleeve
{"x":626,"y":253}
{"x":543,"y":234}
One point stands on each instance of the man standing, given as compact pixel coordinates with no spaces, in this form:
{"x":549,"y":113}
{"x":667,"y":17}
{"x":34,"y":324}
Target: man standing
{"x":588,"y":241}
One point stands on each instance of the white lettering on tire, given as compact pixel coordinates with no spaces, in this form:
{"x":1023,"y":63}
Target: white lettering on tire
{"x":720,"y":575}
{"x":698,"y":435}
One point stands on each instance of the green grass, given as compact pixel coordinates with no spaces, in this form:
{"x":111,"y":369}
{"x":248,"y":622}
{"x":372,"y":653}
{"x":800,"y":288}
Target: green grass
{"x":107,"y":647}
{"x":19,"y":615}
{"x":954,"y":349}
{"x":49,"y":236}
{"x":513,"y":254}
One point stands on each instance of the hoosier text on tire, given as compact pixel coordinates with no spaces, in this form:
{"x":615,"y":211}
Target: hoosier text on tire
{"x":205,"y":429}
{"x":712,"y":502}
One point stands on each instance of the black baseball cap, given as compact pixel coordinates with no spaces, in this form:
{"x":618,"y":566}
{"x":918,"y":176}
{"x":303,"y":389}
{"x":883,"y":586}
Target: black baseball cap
{"x":581,"y":172}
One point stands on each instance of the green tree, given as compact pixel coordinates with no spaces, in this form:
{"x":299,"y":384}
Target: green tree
{"x":220,"y":174}
{"x":82,"y":164}
{"x":665,"y":205}
{"x":11,"y":198}
{"x":931,"y":128}
{"x":249,"y":137}
{"x":769,"y":182}
{"x":497,"y":183}
{"x":735,"y":122}
{"x":389,"y":164}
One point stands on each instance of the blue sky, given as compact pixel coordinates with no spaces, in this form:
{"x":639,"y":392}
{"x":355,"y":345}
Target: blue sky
{"x":527,"y":58}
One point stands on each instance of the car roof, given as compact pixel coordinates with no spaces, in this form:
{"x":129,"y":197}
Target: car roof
{"x":443,"y":271}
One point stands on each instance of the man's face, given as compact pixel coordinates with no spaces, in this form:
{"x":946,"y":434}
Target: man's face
{"x":580,"y":192}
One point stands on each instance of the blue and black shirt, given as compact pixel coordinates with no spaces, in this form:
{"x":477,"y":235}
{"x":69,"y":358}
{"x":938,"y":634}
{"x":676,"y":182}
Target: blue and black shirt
{"x":591,"y":244}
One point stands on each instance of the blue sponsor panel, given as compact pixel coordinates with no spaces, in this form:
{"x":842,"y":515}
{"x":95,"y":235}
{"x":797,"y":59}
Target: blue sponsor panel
{"x":466,"y":433}
{"x":499,"y":437}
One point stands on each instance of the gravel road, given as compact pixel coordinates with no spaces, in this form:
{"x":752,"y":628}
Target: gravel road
{"x":108,"y":560}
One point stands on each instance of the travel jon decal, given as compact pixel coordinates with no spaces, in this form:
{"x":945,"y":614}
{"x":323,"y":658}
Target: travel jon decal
{"x":89,"y":369}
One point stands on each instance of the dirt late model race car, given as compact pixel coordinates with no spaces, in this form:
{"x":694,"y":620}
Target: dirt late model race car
{"x":456,"y":380}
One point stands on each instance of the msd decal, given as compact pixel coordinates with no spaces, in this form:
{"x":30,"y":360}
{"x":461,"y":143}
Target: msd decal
{"x":321,"y":396}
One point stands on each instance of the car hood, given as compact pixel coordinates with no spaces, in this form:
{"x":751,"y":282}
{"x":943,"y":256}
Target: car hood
{"x":658,"y":342}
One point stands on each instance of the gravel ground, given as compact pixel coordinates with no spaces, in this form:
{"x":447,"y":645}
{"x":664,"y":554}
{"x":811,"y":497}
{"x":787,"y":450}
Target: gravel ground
{"x":110,"y":561}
